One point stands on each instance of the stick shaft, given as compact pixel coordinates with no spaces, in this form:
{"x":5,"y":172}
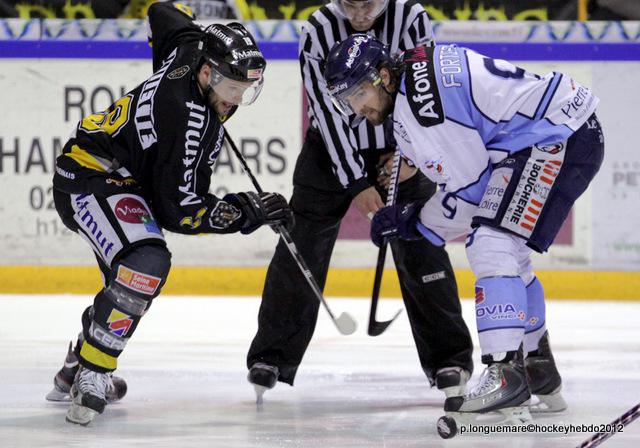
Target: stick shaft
{"x":623,"y":420}
{"x":284,"y":234}
{"x":382,"y":253}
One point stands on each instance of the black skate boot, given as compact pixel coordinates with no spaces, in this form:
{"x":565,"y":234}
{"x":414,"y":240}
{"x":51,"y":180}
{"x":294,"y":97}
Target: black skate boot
{"x":116,"y":386}
{"x":263,"y":377}
{"x":88,"y":397}
{"x":502,"y":388}
{"x":544,"y":379}
{"x":452,"y":381}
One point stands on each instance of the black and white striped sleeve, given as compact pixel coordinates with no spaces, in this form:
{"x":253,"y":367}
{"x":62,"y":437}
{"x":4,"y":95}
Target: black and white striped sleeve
{"x":317,"y":38}
{"x":418,"y":29}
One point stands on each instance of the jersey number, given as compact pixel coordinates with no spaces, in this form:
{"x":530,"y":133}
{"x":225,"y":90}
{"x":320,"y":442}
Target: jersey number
{"x":450,"y":205}
{"x":109,"y":121}
{"x":514,"y":73}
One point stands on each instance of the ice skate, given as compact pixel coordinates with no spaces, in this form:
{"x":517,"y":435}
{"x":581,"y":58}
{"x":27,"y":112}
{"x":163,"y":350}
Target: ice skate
{"x":544,"y":379}
{"x":502,"y":394}
{"x":452,"y":381}
{"x":87,"y":396}
{"x":263,"y":377}
{"x":62,"y":382}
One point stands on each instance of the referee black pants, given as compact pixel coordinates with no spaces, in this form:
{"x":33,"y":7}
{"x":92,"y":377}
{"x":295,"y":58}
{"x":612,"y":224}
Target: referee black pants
{"x":289,"y":310}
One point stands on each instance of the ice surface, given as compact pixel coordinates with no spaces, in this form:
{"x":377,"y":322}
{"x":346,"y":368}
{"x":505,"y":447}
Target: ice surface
{"x":186,"y":373}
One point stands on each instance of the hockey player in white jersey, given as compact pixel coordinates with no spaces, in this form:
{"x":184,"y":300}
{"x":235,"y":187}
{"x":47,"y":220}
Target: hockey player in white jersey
{"x":511,"y":151}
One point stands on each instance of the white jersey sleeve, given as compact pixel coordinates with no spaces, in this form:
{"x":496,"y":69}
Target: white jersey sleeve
{"x":502,"y":92}
{"x":457,"y":113}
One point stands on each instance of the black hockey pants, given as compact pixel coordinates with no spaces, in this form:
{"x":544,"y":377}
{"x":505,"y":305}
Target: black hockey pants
{"x":289,"y":310}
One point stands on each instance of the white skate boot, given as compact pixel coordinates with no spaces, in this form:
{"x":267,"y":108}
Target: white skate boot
{"x":544,"y":379}
{"x":263,"y":377}
{"x":452,"y":381}
{"x":502,"y":388}
{"x":87,"y":396}
{"x":116,"y":388}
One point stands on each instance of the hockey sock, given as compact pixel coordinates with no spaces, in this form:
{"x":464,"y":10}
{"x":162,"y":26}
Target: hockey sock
{"x":535,"y":322}
{"x":500,"y":313}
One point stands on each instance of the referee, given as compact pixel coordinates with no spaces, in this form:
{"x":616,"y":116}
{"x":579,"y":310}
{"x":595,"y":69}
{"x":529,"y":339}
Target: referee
{"x":342,"y":162}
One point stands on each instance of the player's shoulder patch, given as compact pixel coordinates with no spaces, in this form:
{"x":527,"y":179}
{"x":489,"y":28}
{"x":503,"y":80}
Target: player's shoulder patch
{"x":179,"y":72}
{"x":422,"y":91}
{"x":185,"y":9}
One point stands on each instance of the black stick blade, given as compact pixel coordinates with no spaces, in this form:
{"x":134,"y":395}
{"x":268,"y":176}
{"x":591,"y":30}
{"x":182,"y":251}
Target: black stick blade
{"x":377,"y":328}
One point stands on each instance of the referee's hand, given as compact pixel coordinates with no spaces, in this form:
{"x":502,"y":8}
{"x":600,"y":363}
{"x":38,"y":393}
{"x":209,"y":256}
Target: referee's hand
{"x":385,"y":168}
{"x":368,"y":202}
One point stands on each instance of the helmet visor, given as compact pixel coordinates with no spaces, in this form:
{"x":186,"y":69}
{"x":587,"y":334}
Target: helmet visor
{"x":241,"y":93}
{"x":350,"y":100}
{"x":360,"y":10}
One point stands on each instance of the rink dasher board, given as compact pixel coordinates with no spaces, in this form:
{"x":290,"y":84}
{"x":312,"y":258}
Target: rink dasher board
{"x":49,"y":95}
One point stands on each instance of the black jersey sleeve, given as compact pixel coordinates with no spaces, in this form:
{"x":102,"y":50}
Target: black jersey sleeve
{"x":189,"y":139}
{"x":170,"y":25}
{"x":199,"y":213}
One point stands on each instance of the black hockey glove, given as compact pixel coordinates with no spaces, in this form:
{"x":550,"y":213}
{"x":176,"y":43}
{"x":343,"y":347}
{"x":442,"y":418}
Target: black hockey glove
{"x":261,"y":209}
{"x":396,"y":221}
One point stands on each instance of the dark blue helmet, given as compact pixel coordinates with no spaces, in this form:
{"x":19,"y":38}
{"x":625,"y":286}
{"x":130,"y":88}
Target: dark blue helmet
{"x":350,"y":63}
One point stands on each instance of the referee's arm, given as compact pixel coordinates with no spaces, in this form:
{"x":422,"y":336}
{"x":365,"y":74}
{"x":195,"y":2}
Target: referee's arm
{"x":419,"y":30}
{"x":338,"y":136}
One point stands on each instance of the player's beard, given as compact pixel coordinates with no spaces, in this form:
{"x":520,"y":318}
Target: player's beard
{"x":377,"y":116}
{"x":222,"y":108}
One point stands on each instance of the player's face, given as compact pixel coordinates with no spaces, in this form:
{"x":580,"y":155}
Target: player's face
{"x":362,"y":13}
{"x":221,"y":106}
{"x":225,"y":93}
{"x":228,"y":93}
{"x":371,"y":102}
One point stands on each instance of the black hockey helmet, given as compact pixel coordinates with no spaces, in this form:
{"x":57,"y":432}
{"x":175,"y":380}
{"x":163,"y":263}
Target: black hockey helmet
{"x":235,"y":58}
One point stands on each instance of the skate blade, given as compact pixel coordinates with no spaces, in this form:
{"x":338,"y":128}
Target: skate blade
{"x":454,"y":391}
{"x":464,"y":418}
{"x":58,"y":396}
{"x":260,"y":390}
{"x":518,"y":415}
{"x":80,"y":415}
{"x":553,"y":402}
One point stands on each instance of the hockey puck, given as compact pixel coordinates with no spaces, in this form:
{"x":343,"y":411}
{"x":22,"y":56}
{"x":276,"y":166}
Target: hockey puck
{"x":447,"y":427}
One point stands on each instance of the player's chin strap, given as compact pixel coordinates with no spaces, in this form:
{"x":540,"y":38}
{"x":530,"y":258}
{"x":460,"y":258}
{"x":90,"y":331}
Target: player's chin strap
{"x":391,"y":94}
{"x":344,"y":323}
{"x":356,"y":121}
{"x":395,"y":75}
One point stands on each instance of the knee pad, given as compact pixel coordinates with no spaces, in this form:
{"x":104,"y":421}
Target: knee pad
{"x":136,"y":278}
{"x":140,"y":273}
{"x":493,"y":253}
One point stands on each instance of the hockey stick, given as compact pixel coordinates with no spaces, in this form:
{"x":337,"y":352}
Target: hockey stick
{"x":615,"y":426}
{"x":376,"y":328}
{"x":344,"y":323}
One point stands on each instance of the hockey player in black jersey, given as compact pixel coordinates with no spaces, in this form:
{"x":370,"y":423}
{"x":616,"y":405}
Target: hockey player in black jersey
{"x":339,"y":164}
{"x":144,"y":165}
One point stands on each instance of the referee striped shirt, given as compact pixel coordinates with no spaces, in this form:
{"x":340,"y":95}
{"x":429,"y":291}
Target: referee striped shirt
{"x":403,"y":25}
